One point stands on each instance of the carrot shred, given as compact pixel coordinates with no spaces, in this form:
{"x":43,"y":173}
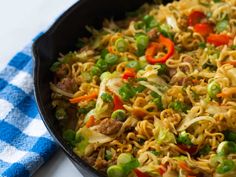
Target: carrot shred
{"x":84,"y":97}
{"x":90,"y":122}
{"x":229,"y":62}
{"x":185,"y":167}
{"x":226,"y":92}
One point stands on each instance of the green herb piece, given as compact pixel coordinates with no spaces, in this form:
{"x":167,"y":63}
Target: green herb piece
{"x":121,"y":45}
{"x":162,"y":69}
{"x":202,"y":45}
{"x":108,"y":155}
{"x":205,"y":150}
{"x":156,"y":153}
{"x":106,"y":97}
{"x":179,"y":106}
{"x":55,"y":66}
{"x":230,"y":135}
{"x":127,"y":92}
{"x":69,"y":136}
{"x":139,"y":88}
{"x":184,"y":138}
{"x":213,"y":89}
{"x":165,"y":30}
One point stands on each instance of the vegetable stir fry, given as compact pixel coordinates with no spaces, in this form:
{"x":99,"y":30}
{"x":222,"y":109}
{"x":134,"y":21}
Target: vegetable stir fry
{"x":153,"y":94}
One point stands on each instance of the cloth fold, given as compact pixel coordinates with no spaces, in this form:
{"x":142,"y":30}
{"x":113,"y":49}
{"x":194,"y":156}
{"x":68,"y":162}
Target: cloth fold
{"x":24,"y":141}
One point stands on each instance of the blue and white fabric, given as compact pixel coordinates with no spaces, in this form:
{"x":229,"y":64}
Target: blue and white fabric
{"x":24,"y":141}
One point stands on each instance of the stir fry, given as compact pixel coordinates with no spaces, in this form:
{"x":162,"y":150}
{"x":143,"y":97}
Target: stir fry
{"x":154,"y":94}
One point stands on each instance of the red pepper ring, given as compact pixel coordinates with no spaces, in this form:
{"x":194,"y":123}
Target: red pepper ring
{"x":154,"y":47}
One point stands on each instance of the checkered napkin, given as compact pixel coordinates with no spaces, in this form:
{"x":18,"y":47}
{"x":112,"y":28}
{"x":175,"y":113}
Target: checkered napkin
{"x":24,"y":141}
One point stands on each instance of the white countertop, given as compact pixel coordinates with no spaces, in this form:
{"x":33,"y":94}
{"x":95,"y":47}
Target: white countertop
{"x":20,"y":22}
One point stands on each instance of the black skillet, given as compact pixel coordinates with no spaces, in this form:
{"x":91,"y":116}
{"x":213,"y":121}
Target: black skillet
{"x":61,"y":38}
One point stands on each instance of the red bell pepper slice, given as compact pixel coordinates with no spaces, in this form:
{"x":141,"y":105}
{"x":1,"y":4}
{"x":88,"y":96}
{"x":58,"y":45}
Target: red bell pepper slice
{"x":195,"y":17}
{"x":218,"y":39}
{"x":203,"y":28}
{"x":129,"y":73}
{"x":118,"y":104}
{"x":154,"y":46}
{"x":138,"y":173}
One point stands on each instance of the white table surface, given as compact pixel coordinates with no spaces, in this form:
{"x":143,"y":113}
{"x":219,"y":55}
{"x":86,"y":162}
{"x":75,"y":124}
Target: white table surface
{"x":21,"y":21}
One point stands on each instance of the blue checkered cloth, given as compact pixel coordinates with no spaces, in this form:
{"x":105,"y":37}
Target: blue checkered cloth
{"x":24,"y":141}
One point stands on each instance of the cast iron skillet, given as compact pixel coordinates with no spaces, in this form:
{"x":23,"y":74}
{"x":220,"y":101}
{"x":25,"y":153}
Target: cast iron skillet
{"x":61,"y":38}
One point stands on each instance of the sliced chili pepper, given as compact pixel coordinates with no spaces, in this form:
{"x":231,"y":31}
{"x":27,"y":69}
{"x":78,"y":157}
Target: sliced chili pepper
{"x":154,"y":46}
{"x":118,"y":104}
{"x":138,"y":173}
{"x":192,"y":149}
{"x":218,"y":39}
{"x":129,"y":73}
{"x":195,"y":17}
{"x":203,"y":28}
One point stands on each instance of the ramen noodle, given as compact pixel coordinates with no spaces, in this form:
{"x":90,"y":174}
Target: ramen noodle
{"x":153,"y":94}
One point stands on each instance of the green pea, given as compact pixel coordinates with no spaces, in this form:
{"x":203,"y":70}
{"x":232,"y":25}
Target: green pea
{"x":102,"y":65}
{"x":221,"y":26}
{"x":226,"y":147}
{"x":106,"y":97}
{"x":133,"y":64}
{"x":115,"y":171}
{"x":121,"y":45}
{"x":183,"y":138}
{"x":225,"y":166}
{"x":119,"y":115}
{"x":111,"y":59}
{"x":96,"y":71}
{"x":213,"y":89}
{"x":162,"y":69}
{"x":69,"y":135}
{"x":60,"y":113}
